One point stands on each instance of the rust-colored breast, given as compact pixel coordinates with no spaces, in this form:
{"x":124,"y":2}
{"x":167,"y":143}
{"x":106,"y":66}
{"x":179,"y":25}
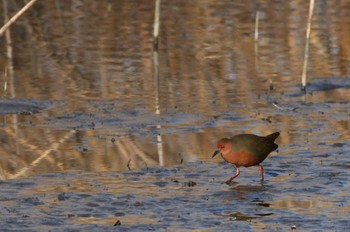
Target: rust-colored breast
{"x":242,"y":158}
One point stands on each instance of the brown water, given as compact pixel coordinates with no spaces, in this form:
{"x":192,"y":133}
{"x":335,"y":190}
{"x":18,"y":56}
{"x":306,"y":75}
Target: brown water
{"x":92,"y":135}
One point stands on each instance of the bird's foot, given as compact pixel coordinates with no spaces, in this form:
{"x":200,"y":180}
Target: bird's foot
{"x":228,"y":182}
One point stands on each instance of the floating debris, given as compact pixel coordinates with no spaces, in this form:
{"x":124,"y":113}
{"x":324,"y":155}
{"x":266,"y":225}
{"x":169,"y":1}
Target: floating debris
{"x":190,"y":183}
{"x":117,"y":223}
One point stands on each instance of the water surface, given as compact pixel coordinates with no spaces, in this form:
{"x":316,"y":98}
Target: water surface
{"x":82,"y":101}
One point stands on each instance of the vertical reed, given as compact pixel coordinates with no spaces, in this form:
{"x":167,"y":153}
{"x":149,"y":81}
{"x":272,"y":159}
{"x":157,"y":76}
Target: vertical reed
{"x":156,"y":25}
{"x":156,"y":78}
{"x":9,"y":73}
{"x":157,"y":104}
{"x":256,"y":33}
{"x":306,"y":51}
{"x":256,"y":38}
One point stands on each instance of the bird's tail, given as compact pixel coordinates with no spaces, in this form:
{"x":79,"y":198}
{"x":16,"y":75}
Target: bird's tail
{"x":273,"y":136}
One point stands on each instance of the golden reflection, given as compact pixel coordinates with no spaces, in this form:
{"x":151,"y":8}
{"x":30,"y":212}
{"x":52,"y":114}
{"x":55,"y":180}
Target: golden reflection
{"x":207,"y":74}
{"x":307,"y":207}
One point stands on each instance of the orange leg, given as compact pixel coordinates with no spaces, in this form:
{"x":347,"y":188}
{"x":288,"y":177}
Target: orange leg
{"x":237,"y":174}
{"x":261,"y":172}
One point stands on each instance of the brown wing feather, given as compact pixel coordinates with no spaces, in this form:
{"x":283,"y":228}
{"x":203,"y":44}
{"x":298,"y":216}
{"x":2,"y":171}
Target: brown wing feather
{"x":257,"y":146}
{"x":273,"y":136}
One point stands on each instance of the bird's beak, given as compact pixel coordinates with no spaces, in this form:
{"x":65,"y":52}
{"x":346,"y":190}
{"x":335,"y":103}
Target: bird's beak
{"x":215,"y":153}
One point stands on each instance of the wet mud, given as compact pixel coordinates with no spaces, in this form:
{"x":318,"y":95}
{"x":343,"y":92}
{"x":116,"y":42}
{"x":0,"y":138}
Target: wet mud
{"x":182,"y":198}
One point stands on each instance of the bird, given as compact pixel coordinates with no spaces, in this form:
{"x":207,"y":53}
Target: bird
{"x":246,"y":150}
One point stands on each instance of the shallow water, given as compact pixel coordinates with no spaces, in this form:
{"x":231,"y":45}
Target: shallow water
{"x":91,"y":135}
{"x":188,"y":197}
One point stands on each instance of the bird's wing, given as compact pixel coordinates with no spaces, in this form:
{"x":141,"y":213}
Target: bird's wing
{"x":257,"y":145}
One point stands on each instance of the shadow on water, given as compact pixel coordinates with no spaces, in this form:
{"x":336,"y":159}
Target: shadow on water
{"x":241,"y":192}
{"x":330,"y":83}
{"x":24,"y":106}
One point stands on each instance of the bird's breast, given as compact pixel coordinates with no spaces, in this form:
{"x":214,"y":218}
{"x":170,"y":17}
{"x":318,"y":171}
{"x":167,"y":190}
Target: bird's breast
{"x":241,"y":158}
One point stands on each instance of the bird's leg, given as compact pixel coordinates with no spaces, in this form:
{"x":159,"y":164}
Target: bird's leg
{"x":261,"y":172}
{"x":237,"y":174}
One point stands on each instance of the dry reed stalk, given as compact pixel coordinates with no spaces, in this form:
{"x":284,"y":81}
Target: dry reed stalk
{"x":156,"y":25}
{"x":156,"y":79}
{"x":157,"y":104}
{"x":9,"y":73}
{"x":5,"y":82}
{"x":9,"y":67}
{"x":256,"y":37}
{"x":16,"y":16}
{"x":257,"y":18}
{"x":306,"y":52}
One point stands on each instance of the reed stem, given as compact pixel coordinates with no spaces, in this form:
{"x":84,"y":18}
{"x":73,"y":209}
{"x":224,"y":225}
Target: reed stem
{"x":256,"y":38}
{"x":256,"y":34}
{"x":16,"y":16}
{"x":156,"y":26}
{"x":306,"y":51}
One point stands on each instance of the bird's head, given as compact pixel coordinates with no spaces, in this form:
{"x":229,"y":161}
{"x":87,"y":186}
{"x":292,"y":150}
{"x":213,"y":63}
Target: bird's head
{"x":223,"y":146}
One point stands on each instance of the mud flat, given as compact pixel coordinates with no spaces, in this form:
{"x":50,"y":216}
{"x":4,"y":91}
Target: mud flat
{"x":192,"y":196}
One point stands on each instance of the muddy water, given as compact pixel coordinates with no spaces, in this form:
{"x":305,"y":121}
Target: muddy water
{"x":93,"y":139}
